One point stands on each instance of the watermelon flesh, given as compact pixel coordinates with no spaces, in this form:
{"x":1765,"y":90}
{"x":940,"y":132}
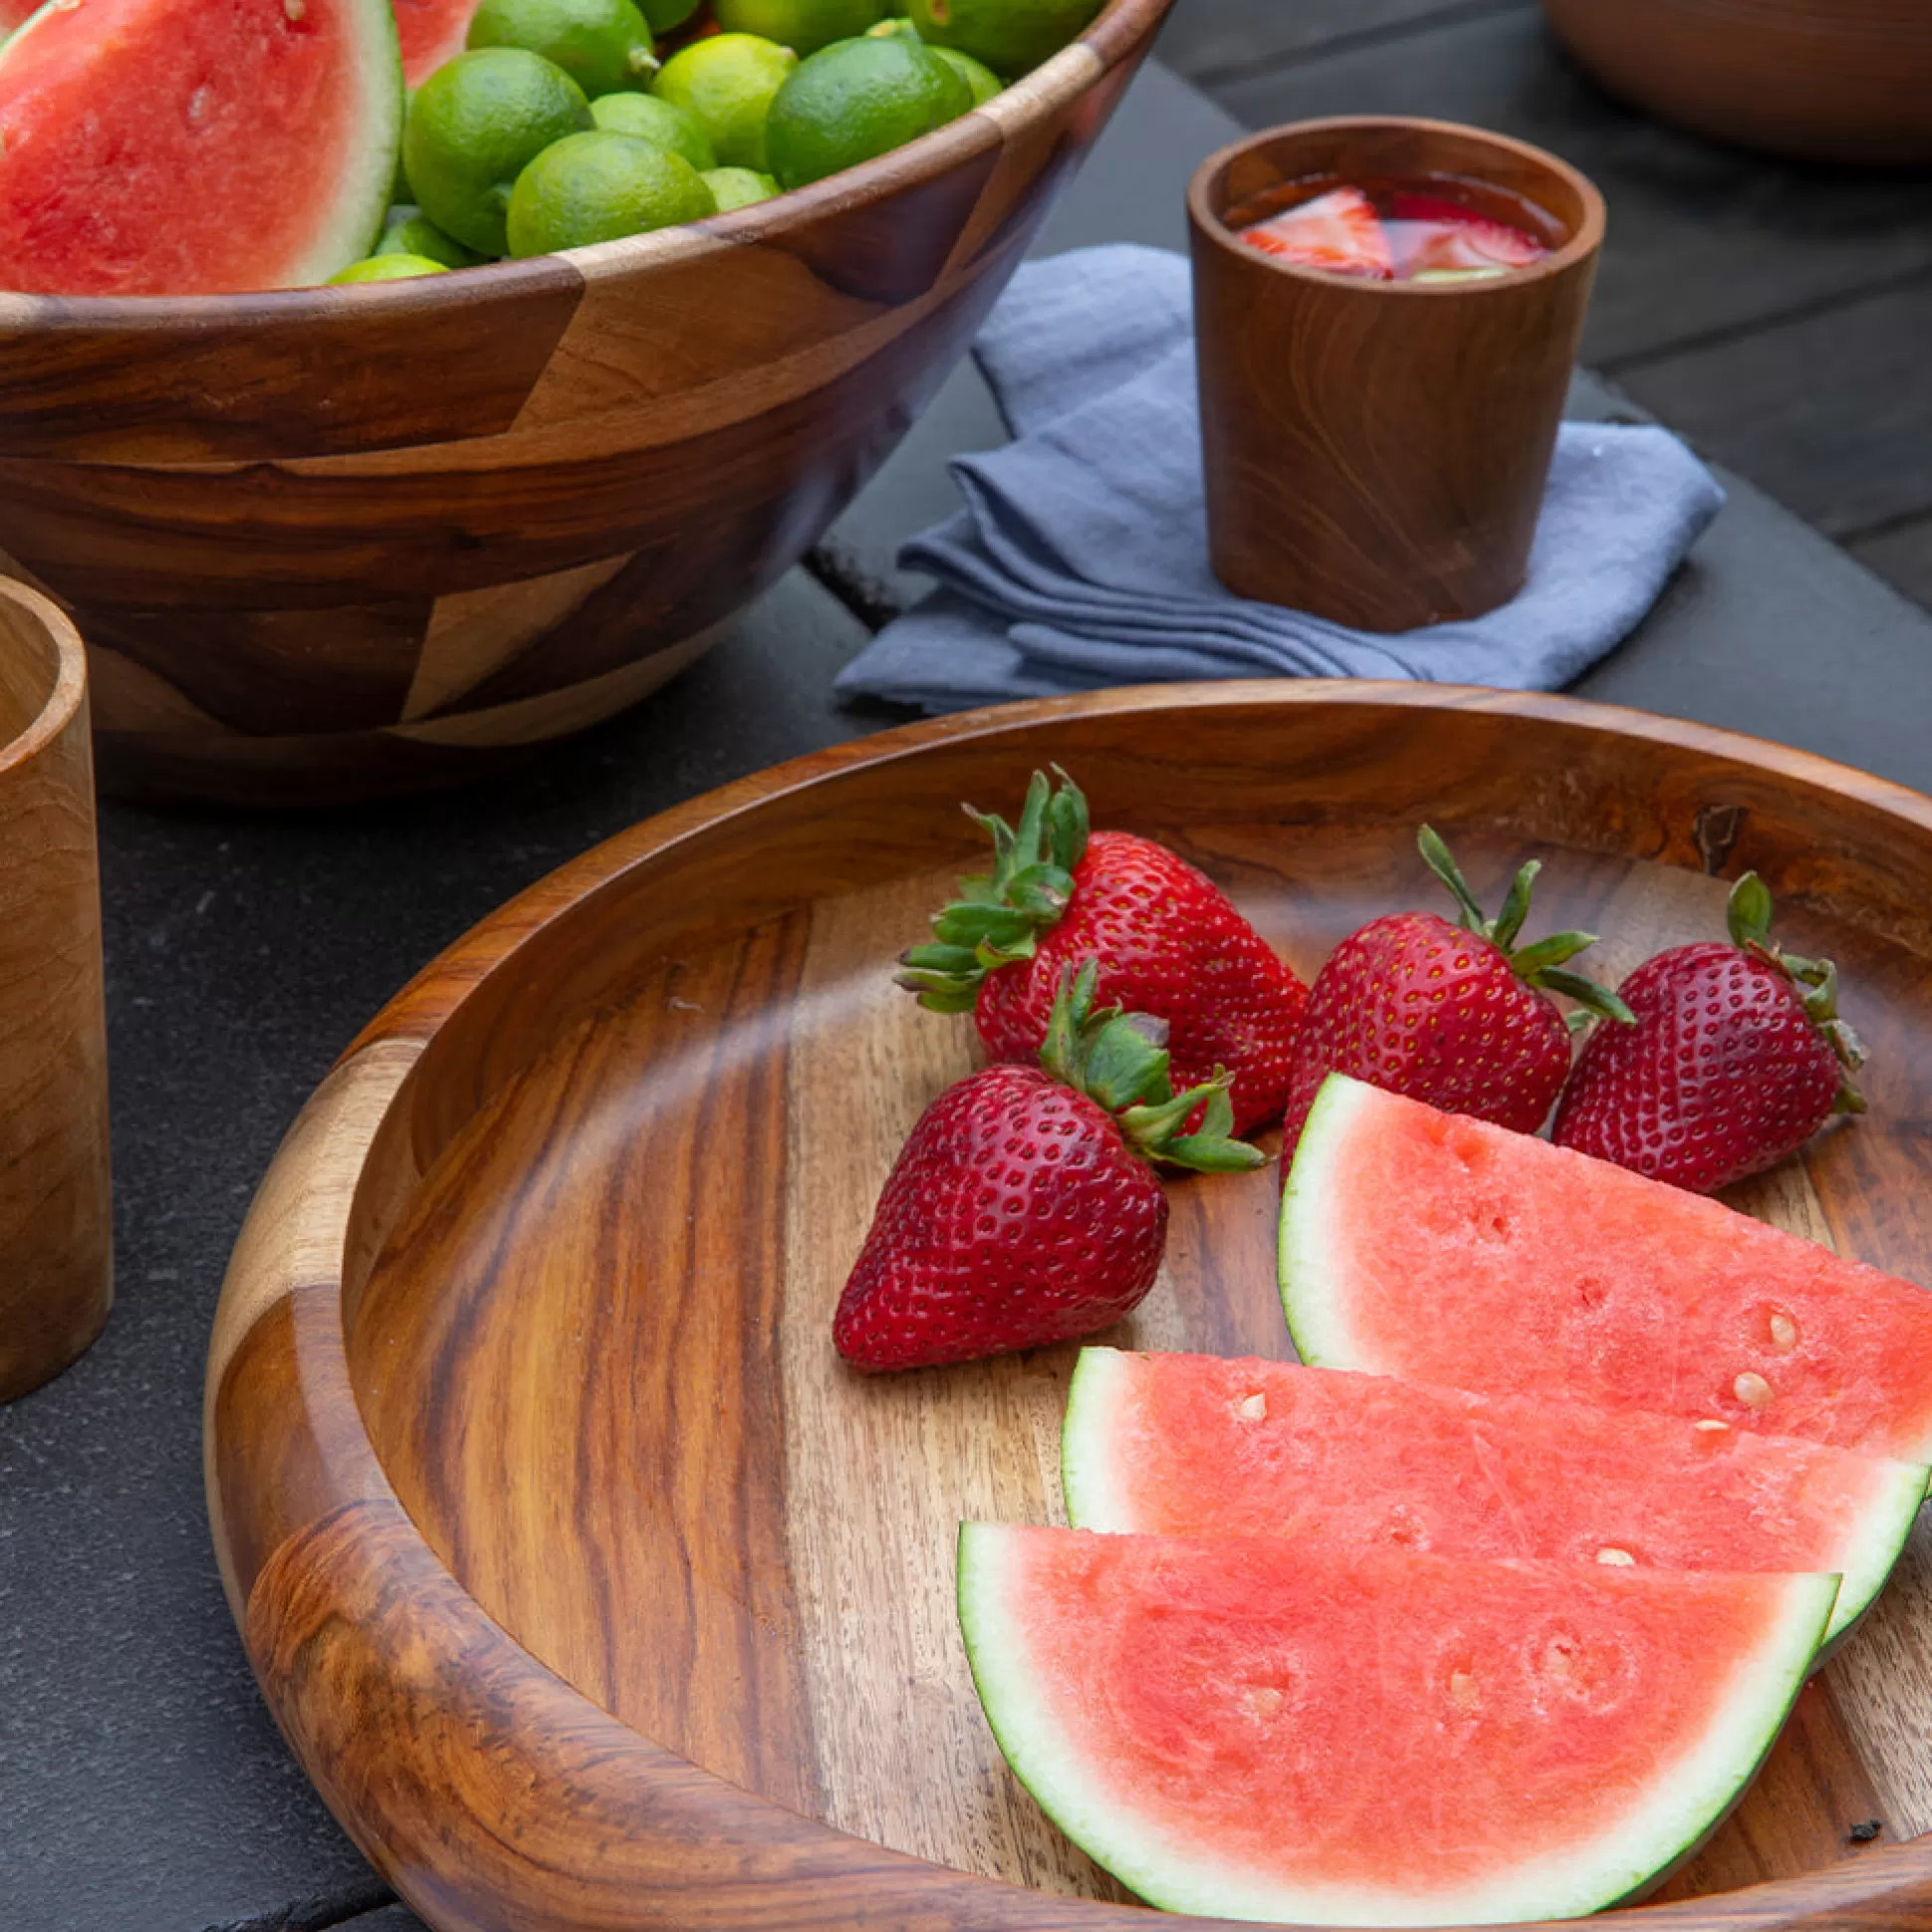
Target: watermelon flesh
{"x":1303,"y":1729}
{"x":194,"y":147}
{"x":1441,"y":1249}
{"x":1194,"y":1445}
{"x":432,"y":33}
{"x":14,"y":12}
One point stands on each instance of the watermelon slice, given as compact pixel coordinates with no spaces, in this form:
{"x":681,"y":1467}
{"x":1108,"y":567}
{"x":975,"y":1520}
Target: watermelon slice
{"x":14,"y":12}
{"x":1193,"y":1445}
{"x":1300,"y":1728}
{"x":1441,"y":1249}
{"x":194,"y":147}
{"x":432,"y":32}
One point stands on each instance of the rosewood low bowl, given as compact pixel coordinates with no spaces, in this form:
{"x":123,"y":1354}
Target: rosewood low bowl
{"x":1822,"y":80}
{"x":327,"y":544}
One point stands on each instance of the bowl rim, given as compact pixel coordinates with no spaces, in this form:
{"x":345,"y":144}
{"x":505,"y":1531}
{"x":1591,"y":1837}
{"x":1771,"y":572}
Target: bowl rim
{"x":67,"y":690}
{"x":1117,"y":32}
{"x":1585,"y":241}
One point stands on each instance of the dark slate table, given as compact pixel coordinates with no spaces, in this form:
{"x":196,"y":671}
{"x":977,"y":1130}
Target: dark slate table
{"x":142,"y":1787}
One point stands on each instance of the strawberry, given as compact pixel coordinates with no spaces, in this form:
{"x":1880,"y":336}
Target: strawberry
{"x":1738,"y":1056}
{"x":1166,"y":940}
{"x":1454,"y":1015}
{"x":1337,"y":231}
{"x":1022,"y":1209}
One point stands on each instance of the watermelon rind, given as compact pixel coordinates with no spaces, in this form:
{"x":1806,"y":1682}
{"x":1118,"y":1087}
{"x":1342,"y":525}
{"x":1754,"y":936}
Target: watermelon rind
{"x":353,"y":198}
{"x":1312,"y":1298}
{"x":1089,"y":1468}
{"x":1669,"y":1821}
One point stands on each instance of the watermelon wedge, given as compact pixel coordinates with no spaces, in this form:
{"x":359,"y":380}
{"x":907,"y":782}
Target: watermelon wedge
{"x":14,"y":12}
{"x":432,"y":32}
{"x":194,"y":147}
{"x":1198,"y":1446}
{"x":1303,"y":1729}
{"x":1440,"y":1249}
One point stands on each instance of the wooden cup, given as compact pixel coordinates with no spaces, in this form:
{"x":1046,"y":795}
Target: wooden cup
{"x":1376,"y":451}
{"x":56,"y":1223}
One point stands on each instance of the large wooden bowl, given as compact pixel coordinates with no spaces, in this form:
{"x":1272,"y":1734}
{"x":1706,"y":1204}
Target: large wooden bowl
{"x":331,"y":542}
{"x":595,"y":1595}
{"x":1824,"y":79}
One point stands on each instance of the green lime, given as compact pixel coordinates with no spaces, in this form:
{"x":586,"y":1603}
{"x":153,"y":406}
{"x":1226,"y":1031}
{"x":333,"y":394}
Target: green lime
{"x":738,"y":188}
{"x":804,"y":26}
{"x":602,"y":45}
{"x":411,"y":232}
{"x":599,"y":186}
{"x":652,"y":118}
{"x":894,"y":27}
{"x":388,"y":268}
{"x":477,"y":123}
{"x":1011,"y":36}
{"x":663,"y":15}
{"x":857,"y":99}
{"x":729,"y":82}
{"x":976,"y":74}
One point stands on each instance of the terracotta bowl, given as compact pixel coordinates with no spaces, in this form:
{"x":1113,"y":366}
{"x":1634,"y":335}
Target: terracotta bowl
{"x":327,"y":544}
{"x":1825,"y":80}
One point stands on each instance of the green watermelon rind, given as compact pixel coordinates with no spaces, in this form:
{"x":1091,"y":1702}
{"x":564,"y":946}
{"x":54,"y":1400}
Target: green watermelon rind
{"x":1675,"y":1817}
{"x":353,"y":222}
{"x":1314,"y":1302}
{"x":1094,"y":1501}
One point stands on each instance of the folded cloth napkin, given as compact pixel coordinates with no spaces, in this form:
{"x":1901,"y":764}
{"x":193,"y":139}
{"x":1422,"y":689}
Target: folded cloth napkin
{"x":1080,"y":559}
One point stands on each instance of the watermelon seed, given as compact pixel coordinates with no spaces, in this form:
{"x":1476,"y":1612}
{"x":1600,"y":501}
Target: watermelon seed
{"x":1462,"y":1689}
{"x":1254,"y":1409}
{"x":1610,"y":1554}
{"x":296,"y":10}
{"x":1783,"y":1332}
{"x":1709,"y":1423}
{"x":1752,"y":1389}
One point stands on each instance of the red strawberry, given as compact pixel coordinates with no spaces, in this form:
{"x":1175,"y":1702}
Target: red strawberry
{"x":1166,"y":941}
{"x":1022,"y":1210}
{"x":1337,"y":231}
{"x":1447,"y":1014}
{"x":1737,"y":1058}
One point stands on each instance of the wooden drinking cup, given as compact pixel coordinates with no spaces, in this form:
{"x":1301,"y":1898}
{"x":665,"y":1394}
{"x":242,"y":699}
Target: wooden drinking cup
{"x":1376,"y":451}
{"x":55,"y":1225}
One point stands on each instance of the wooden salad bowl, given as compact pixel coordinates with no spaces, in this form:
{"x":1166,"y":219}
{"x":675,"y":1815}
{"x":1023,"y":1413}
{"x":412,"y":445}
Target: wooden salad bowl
{"x":595,"y":1593}
{"x":331,"y":543}
{"x":1822,"y":80}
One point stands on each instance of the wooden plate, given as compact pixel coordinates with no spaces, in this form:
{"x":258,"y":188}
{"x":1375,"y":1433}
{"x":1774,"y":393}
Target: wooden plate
{"x":592,"y":1593}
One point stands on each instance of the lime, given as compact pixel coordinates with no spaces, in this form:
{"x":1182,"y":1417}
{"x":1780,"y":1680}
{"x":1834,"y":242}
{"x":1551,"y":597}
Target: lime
{"x":893,"y":26}
{"x":411,"y":232}
{"x":858,"y":99}
{"x":976,"y":74}
{"x":599,"y":186}
{"x":388,"y":268}
{"x":477,"y":123}
{"x":651,"y":119}
{"x":738,"y":188}
{"x":663,"y":15}
{"x":1011,"y":36}
{"x":602,"y":45}
{"x":804,"y":26}
{"x":728,"y":81}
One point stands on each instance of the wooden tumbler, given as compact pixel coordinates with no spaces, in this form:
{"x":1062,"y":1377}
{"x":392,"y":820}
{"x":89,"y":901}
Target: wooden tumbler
{"x":56,"y":1224}
{"x":1376,"y":451}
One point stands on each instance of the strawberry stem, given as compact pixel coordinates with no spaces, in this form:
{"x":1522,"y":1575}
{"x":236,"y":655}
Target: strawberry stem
{"x":1540,"y":965}
{"x":999,"y":916}
{"x":1120,"y":1061}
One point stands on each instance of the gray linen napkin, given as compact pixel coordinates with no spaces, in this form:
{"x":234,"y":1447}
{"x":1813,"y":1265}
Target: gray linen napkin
{"x":1080,"y":558}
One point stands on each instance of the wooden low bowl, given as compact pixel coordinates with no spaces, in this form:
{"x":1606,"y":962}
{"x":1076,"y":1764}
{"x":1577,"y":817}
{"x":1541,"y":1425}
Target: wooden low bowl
{"x":1822,"y":80}
{"x":331,"y":543}
{"x":591,"y":1590}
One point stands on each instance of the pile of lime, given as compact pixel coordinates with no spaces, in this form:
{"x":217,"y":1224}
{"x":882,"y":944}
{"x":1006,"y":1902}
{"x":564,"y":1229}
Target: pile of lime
{"x":572,"y":122}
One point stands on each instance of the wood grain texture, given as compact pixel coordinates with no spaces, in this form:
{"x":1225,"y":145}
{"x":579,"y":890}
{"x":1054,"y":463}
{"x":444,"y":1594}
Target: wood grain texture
{"x":300,"y":521}
{"x":1826,"y":80}
{"x":56,"y":1216}
{"x":1375,"y":451}
{"x":594,"y":1593}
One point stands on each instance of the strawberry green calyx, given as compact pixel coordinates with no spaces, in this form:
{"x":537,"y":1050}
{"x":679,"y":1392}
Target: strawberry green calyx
{"x":999,"y":917}
{"x":1541,"y":964}
{"x":1748,"y":916}
{"x":1120,"y":1061}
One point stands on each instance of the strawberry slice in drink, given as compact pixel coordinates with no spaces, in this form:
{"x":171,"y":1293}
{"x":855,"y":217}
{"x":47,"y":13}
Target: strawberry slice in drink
{"x":1426,"y":234}
{"x":1337,"y":231}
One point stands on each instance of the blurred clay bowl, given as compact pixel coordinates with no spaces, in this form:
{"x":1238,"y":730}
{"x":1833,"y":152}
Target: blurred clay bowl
{"x":331,"y":544}
{"x":1821,"y":79}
